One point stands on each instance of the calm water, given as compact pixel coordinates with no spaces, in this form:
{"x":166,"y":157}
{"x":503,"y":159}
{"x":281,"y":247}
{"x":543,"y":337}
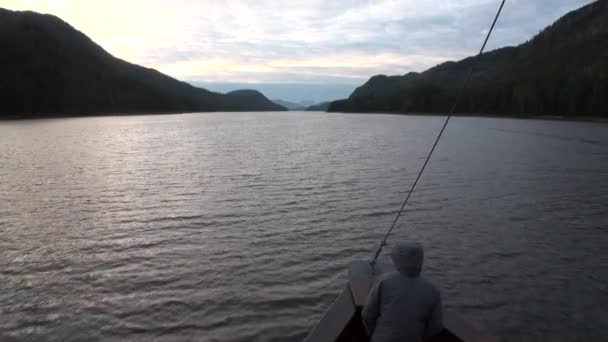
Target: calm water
{"x":239,"y":227}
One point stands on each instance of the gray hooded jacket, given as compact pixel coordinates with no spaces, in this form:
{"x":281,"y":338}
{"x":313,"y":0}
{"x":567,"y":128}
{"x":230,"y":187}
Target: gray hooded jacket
{"x":402,"y":305}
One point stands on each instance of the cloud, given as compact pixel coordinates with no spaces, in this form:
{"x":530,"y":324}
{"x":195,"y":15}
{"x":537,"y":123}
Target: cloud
{"x":298,"y":41}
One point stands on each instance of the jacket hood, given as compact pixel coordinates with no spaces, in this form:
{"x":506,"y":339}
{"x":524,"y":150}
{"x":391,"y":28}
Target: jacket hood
{"x":407,"y":258}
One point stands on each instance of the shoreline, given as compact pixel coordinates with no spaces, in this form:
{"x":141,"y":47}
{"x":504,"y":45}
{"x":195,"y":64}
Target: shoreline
{"x":594,"y":119}
{"x":99,"y":115}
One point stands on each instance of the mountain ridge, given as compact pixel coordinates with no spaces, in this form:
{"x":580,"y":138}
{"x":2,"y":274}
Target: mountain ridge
{"x":48,"y":68}
{"x":290,"y":105}
{"x":563,"y":70}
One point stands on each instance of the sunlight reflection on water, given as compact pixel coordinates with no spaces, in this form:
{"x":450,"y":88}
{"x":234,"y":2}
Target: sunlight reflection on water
{"x":239,"y":227}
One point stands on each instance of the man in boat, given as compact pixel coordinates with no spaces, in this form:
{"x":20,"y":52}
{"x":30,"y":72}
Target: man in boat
{"x":403,"y":305}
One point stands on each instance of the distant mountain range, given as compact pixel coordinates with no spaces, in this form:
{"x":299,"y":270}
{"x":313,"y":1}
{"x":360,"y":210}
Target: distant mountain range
{"x":561,"y":71}
{"x":323,"y":106}
{"x":48,"y":68}
{"x":303,"y":105}
{"x":290,"y":105}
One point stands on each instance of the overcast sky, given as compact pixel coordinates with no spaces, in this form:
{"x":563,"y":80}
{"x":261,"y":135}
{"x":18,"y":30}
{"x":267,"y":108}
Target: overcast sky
{"x":315,"y":41}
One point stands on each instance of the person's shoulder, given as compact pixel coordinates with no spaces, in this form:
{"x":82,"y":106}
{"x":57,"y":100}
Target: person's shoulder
{"x":387,"y":277}
{"x":428,"y":284}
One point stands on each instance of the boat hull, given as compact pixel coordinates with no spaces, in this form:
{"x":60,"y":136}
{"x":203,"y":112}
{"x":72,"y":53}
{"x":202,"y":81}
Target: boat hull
{"x":342,"y":322}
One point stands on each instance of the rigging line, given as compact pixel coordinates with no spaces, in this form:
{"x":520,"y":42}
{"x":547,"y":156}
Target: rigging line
{"x":445,"y":124}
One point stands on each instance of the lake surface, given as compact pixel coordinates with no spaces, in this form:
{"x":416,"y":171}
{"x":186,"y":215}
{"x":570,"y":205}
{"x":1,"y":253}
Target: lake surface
{"x":240,"y":227}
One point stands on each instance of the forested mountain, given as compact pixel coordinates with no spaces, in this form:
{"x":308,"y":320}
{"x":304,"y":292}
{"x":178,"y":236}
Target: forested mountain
{"x":561,"y":71}
{"x":48,"y":68}
{"x":289,"y":105}
{"x":323,"y":106}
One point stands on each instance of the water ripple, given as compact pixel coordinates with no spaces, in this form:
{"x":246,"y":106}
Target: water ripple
{"x":240,"y":227}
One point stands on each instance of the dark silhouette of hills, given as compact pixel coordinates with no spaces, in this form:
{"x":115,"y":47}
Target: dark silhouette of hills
{"x":322,"y":107}
{"x":561,"y":71}
{"x":289,"y":105}
{"x":48,"y":68}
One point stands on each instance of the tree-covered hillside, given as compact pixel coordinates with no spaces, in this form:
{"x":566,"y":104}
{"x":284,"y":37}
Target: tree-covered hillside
{"x":48,"y":68}
{"x":561,"y":71}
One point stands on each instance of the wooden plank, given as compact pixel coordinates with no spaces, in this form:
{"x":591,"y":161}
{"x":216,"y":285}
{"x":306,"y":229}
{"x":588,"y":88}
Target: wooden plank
{"x":359,"y":278}
{"x":335,"y":319}
{"x":464,"y":329}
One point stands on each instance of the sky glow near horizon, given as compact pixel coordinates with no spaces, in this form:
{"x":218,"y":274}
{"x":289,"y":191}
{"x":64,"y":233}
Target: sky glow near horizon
{"x":339,"y":42}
